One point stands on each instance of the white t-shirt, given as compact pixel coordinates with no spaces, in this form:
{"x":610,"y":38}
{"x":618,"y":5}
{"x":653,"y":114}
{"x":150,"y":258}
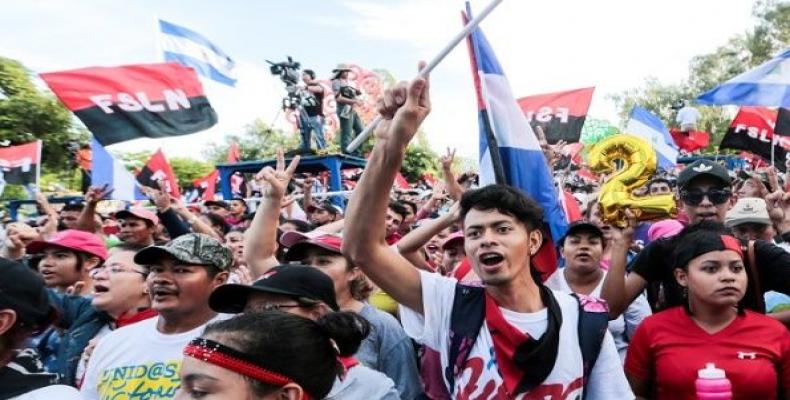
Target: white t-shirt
{"x":687,"y":116}
{"x":621,"y":328}
{"x":54,"y":392}
{"x":481,"y":379}
{"x":137,"y":362}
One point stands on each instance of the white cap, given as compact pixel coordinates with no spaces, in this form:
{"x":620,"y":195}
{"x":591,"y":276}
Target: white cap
{"x":711,"y":372}
{"x":748,"y":210}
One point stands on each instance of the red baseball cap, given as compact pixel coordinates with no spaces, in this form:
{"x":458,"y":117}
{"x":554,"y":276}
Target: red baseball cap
{"x":72,"y":239}
{"x":138,"y":212}
{"x":454,"y":238}
{"x":298,"y":249}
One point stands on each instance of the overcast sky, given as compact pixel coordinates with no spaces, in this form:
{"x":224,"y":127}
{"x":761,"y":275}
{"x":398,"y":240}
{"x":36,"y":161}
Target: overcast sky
{"x":543,"y":46}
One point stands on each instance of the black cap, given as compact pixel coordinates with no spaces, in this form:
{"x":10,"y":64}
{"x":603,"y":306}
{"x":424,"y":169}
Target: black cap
{"x":219,"y":203}
{"x":582,"y":226}
{"x":23,"y":291}
{"x":296,"y":281}
{"x":703,"y":168}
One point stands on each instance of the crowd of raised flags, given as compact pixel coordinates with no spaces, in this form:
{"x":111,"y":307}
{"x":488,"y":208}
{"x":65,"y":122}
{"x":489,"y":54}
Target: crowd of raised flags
{"x":491,"y":284}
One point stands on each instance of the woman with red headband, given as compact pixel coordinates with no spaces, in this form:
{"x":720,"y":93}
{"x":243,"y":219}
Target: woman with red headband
{"x":269,"y":355}
{"x":670,"y":348}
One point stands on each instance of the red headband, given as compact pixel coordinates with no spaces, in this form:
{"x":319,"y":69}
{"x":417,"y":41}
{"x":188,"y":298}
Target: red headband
{"x":223,"y":356}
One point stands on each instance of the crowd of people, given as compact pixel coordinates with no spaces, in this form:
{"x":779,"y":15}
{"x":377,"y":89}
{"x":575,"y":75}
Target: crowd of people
{"x":425,"y":293}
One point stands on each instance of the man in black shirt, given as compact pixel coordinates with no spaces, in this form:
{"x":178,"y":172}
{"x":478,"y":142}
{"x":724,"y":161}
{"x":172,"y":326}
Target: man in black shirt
{"x":312,"y":116}
{"x":705,"y":193}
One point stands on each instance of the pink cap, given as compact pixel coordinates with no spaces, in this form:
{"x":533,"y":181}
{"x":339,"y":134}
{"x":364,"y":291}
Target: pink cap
{"x":138,"y":212}
{"x":663,"y":229}
{"x":298,"y":249}
{"x":454,"y":238}
{"x":72,"y":239}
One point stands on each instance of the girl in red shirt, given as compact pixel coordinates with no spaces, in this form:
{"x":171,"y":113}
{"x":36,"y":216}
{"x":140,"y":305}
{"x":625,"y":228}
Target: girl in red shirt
{"x":670,"y":347}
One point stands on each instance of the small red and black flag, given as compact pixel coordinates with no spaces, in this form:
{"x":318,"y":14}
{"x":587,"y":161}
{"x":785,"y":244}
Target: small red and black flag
{"x":753,"y":130}
{"x":124,"y":103}
{"x":560,"y":114}
{"x":205,"y":187}
{"x":20,"y":164}
{"x":158,"y":170}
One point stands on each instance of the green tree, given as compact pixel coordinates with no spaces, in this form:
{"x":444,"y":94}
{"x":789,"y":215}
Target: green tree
{"x":189,"y":169}
{"x":420,"y":158}
{"x":28,"y":114}
{"x":258,"y":142}
{"x":770,"y":35}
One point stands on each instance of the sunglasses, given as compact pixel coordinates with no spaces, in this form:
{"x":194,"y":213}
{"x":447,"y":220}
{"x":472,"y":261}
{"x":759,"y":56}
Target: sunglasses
{"x":695,"y":196}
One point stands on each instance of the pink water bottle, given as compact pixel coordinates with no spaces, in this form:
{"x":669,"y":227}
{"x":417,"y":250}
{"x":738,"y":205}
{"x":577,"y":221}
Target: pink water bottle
{"x":712,"y":384}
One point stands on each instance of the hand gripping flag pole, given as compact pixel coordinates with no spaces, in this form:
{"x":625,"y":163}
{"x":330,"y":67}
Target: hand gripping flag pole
{"x":365,"y":134}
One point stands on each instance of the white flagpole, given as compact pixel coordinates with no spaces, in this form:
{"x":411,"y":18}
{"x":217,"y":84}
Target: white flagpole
{"x":39,"y":165}
{"x":365,"y":134}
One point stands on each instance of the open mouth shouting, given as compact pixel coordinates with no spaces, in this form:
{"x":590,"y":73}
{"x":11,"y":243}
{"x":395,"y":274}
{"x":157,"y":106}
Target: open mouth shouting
{"x":490,"y":261}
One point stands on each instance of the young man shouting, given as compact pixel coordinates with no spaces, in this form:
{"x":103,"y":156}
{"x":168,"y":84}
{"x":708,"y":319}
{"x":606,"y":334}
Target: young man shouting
{"x":514,"y":338}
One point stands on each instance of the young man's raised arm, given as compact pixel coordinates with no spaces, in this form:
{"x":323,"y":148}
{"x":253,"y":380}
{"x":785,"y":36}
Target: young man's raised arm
{"x":403,"y":109}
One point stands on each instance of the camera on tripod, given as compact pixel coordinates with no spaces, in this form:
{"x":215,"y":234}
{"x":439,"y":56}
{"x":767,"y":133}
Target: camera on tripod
{"x":288,"y":71}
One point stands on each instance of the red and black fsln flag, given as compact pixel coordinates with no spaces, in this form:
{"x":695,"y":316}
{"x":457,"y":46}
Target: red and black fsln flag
{"x":20,"y":163}
{"x":560,"y":114}
{"x":753,"y":130}
{"x":157,"y":170}
{"x":123,"y":103}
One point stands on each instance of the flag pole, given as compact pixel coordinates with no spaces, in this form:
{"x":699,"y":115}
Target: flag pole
{"x":39,"y":165}
{"x":365,"y":134}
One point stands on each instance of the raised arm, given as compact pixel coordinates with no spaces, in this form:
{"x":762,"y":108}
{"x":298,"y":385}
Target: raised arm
{"x":51,"y":225}
{"x":410,"y":246}
{"x":403,"y":109}
{"x":87,"y":219}
{"x":451,"y":184}
{"x":260,"y":242}
{"x":307,"y":192}
{"x":618,"y":289}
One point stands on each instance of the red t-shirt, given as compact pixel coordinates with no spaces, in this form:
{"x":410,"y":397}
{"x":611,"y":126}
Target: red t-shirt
{"x":669,"y":348}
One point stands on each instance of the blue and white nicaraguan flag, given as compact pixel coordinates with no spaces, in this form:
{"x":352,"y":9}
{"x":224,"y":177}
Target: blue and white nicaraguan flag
{"x":192,"y":49}
{"x":767,"y":85}
{"x":520,"y":157}
{"x":650,"y":128}
{"x":107,"y":170}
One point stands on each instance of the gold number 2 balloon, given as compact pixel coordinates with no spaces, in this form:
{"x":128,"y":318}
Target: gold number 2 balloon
{"x":638,"y":161}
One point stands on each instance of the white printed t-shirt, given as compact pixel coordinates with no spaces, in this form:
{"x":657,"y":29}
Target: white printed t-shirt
{"x":137,"y":362}
{"x":481,"y":379}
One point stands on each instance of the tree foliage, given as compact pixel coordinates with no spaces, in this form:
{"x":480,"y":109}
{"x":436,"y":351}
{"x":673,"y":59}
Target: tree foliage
{"x":28,"y":114}
{"x":770,"y":35}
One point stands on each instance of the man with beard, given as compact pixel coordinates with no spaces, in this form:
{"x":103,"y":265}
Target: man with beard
{"x":142,"y":360}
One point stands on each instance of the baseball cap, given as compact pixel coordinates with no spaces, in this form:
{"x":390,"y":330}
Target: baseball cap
{"x":325,"y":205}
{"x":218,"y":203}
{"x":296,"y":281}
{"x":703,"y":168}
{"x":298,"y":250}
{"x":748,"y":210}
{"x":664,"y":228}
{"x":72,"y":239}
{"x":454,"y":238}
{"x":697,"y":243}
{"x":138,"y":212}
{"x":23,"y":291}
{"x":192,"y":248}
{"x":581,"y":226}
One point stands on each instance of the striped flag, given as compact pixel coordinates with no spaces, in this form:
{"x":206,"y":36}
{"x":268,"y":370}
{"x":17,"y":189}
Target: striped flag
{"x":650,"y":128}
{"x":107,"y":170}
{"x":192,"y":49}
{"x":767,"y":85}
{"x":516,"y":148}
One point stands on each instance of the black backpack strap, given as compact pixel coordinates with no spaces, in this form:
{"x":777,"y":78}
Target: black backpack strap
{"x":466,"y":319}
{"x":593,"y":323}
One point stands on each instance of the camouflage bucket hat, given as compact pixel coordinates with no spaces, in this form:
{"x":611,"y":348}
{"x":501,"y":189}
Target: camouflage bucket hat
{"x":192,"y":248}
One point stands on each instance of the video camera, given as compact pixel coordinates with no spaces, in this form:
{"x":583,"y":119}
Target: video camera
{"x":288,"y":71}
